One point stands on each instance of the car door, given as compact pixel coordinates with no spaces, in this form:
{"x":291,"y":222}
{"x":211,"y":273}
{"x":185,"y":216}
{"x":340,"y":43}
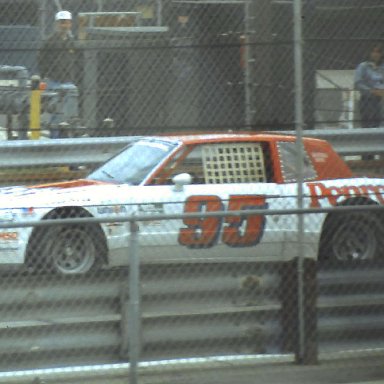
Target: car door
{"x":226,"y":177}
{"x":312,"y":223}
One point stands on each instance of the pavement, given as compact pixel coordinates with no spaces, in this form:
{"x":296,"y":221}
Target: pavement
{"x":367,"y":370}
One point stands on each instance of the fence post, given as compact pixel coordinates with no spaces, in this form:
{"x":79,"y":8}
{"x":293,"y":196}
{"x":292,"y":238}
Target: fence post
{"x":299,"y":127}
{"x":90,"y":88}
{"x":35,"y":108}
{"x":300,"y":338}
{"x":134,"y":316}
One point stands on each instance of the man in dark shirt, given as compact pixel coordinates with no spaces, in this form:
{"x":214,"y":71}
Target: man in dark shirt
{"x":57,"y":55}
{"x":57,"y":64}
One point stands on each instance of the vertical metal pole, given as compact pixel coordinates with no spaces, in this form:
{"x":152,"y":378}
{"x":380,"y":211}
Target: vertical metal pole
{"x":99,"y":5}
{"x":247,"y":69}
{"x":159,"y":12}
{"x":299,"y":126}
{"x":58,"y":5}
{"x":43,"y":19}
{"x":9,"y":126}
{"x":134,"y":318}
{"x":90,"y":86}
{"x":35,"y":108}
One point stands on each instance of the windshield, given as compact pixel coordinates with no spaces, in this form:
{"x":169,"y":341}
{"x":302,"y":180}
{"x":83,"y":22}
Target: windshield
{"x":135,"y":163}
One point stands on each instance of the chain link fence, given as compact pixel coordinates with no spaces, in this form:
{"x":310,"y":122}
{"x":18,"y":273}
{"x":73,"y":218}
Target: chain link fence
{"x":192,"y":251}
{"x":184,"y":305}
{"x":161,"y":65}
{"x":203,"y":263}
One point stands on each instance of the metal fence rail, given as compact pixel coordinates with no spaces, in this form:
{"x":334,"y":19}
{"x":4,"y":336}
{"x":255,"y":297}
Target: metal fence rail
{"x":58,"y":333}
{"x":54,"y":326}
{"x":357,"y":141}
{"x":55,"y":332}
{"x":89,"y":151}
{"x":158,"y":66}
{"x":62,"y":321}
{"x":351,"y":306}
{"x":82,"y":151}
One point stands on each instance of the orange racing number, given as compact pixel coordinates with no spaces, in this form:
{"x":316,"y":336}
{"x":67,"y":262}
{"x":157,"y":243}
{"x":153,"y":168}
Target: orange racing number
{"x":201,"y":232}
{"x":244,"y":231}
{"x":240,"y":231}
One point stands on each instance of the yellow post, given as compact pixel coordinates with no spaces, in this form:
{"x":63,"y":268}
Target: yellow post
{"x":35,"y":108}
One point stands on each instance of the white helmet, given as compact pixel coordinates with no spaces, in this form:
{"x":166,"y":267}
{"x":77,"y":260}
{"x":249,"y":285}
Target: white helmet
{"x":63,"y":15}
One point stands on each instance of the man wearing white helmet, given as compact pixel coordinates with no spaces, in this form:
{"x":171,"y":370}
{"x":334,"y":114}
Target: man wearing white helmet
{"x":57,"y":55}
{"x":57,"y":64}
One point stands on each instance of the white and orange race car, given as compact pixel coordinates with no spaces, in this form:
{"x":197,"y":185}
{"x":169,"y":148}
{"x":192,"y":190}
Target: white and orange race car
{"x":196,"y":173}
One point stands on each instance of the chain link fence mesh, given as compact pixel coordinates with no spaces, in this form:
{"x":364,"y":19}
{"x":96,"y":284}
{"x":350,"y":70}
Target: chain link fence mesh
{"x":155,"y":66}
{"x":209,"y":286}
{"x":223,"y":287}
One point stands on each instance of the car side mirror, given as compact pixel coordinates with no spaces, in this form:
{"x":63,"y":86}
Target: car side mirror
{"x":180,"y":180}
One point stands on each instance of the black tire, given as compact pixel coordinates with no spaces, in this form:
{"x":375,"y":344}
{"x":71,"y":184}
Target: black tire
{"x":67,"y":249}
{"x":355,"y":236}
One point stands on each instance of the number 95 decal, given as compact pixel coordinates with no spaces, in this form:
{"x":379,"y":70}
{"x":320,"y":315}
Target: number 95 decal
{"x":236,"y":231}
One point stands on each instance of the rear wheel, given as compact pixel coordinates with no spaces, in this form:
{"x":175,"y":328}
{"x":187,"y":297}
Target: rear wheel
{"x":352,"y":236}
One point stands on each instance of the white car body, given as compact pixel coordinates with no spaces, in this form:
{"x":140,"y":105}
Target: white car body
{"x":162,"y":240}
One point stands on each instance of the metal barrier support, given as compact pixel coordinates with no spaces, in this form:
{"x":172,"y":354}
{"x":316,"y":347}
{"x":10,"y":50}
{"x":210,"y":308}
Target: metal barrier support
{"x":303,"y":345}
{"x":96,"y":150}
{"x":35,"y":108}
{"x":134,"y":314}
{"x":268,"y":303}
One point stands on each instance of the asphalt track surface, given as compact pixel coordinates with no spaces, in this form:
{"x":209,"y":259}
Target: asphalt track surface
{"x":345,"y":369}
{"x":368,"y":370}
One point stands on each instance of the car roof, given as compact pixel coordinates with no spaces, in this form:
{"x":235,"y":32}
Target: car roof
{"x":212,"y":137}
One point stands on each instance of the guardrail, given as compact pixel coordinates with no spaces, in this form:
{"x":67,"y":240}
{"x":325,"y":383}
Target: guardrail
{"x":350,"y":306}
{"x":68,"y":315}
{"x":80,"y":151}
{"x":359,"y":141}
{"x":90,"y":151}
{"x":252,"y":308}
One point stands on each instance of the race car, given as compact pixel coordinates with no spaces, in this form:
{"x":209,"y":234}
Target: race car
{"x":183,"y":173}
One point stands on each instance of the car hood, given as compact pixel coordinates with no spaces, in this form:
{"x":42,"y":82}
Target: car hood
{"x":77,"y":192}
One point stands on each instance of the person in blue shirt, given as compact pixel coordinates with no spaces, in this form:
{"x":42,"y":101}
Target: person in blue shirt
{"x":369,"y":80}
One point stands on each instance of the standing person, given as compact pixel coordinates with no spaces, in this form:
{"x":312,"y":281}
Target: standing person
{"x":57,"y":65}
{"x":369,"y":80}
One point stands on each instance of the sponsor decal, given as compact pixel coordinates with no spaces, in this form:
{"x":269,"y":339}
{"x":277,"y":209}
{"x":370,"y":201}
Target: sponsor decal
{"x":27,"y":211}
{"x":332,"y":195}
{"x":8,"y":236}
{"x":7,"y":215}
{"x":151,"y":209}
{"x":111,"y":209}
{"x":320,"y":157}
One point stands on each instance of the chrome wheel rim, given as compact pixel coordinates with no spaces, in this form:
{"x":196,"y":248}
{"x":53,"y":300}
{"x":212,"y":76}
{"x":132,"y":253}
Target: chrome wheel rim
{"x":73,"y":251}
{"x":354,"y":240}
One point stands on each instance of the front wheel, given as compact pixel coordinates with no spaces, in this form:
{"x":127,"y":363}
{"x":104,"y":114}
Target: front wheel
{"x":352,"y":236}
{"x":73,"y":250}
{"x":67,"y":249}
